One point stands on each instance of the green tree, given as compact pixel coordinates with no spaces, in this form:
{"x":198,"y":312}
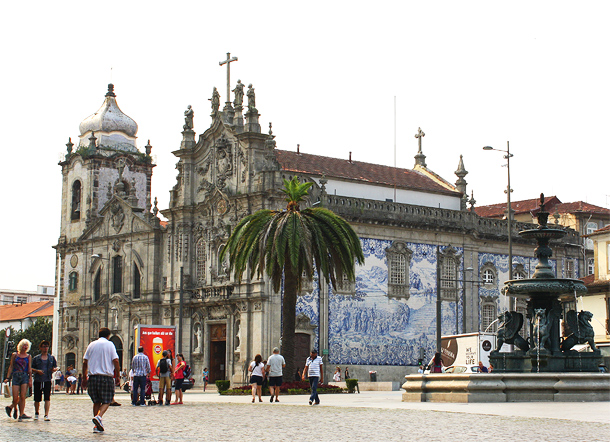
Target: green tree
{"x":290,"y":245}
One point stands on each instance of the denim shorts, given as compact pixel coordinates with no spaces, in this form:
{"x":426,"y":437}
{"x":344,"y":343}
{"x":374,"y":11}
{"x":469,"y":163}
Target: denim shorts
{"x":20,"y":378}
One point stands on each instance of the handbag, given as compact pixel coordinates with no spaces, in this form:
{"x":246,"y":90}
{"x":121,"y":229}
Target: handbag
{"x":6,"y":390}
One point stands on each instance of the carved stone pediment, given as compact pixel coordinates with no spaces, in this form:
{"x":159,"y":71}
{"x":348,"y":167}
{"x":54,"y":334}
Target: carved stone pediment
{"x":117,"y":216}
{"x":303,"y":323}
{"x":217,"y":312}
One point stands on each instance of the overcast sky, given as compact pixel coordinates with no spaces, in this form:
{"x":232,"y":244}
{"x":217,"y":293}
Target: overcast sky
{"x":326,"y":73}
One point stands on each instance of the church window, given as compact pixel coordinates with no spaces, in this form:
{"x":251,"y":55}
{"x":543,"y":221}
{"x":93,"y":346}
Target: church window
{"x":76,"y":201}
{"x":201,"y":267}
{"x":489,"y":274}
{"x":97,"y":286}
{"x":398,"y":258}
{"x":136,"y":281}
{"x":519,"y":275}
{"x":488,"y":315}
{"x":569,"y":268}
{"x":73,"y":281}
{"x":449,"y":279}
{"x":117,"y":273}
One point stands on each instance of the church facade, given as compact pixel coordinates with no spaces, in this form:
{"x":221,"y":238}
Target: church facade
{"x":119,"y":265}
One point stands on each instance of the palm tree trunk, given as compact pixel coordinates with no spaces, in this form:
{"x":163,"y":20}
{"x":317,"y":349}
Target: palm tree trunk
{"x":289,"y":306}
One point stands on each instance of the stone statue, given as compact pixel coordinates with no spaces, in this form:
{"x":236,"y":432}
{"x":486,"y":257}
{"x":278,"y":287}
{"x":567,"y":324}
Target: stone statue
{"x":581,"y":328}
{"x":542,"y":329}
{"x":215,"y":101}
{"x":239,"y":94}
{"x":237,"y":335}
{"x":508,"y":331}
{"x":198,"y":338}
{"x":251,"y":98}
{"x":188,"y":118}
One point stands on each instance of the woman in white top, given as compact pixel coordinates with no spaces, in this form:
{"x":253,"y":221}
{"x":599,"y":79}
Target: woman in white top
{"x":256,"y":380}
{"x":337,"y":375}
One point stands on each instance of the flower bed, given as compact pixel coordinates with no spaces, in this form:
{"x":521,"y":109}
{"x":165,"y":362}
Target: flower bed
{"x":295,"y":387}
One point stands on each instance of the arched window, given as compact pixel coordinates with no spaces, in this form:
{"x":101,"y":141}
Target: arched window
{"x":117,"y":273}
{"x":200,"y":256}
{"x":399,"y":258}
{"x":70,"y":359}
{"x":97,"y":285}
{"x":489,"y":274}
{"x":73,"y":281}
{"x":136,"y":281}
{"x":76,"y":201}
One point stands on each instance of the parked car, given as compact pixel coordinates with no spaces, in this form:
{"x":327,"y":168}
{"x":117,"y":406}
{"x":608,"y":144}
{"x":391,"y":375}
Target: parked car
{"x":462,"y":369}
{"x":186,"y":385}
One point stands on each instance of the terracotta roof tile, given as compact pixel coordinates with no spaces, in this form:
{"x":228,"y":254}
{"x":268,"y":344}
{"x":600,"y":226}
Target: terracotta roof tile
{"x":15,"y":312}
{"x":591,"y":282}
{"x":581,"y":206}
{"x":523,"y":206}
{"x":359,"y":171}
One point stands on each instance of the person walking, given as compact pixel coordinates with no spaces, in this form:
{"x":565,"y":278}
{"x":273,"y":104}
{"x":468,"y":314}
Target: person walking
{"x":256,"y":380}
{"x":275,"y":365}
{"x":43,"y":367}
{"x":20,"y":368}
{"x":347,"y":373}
{"x":100,"y":375}
{"x":179,"y":377}
{"x":79,"y":388}
{"x":337,"y":375}
{"x":57,"y":378}
{"x":140,"y":365}
{"x":436,"y":364}
{"x":206,"y":377}
{"x":313,"y":370}
{"x":165,"y":372}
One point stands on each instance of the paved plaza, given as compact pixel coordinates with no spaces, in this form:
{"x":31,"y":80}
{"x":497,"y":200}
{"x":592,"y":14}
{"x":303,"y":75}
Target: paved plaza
{"x":369,"y":416}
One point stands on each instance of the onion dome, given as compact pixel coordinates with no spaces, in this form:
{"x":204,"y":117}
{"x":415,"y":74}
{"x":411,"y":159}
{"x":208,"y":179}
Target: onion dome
{"x":114,"y":129}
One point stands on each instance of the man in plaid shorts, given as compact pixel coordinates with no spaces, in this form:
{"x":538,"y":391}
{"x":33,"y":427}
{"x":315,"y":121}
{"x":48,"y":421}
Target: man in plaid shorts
{"x":101,"y":362}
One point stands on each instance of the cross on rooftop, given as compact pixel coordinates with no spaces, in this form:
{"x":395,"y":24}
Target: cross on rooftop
{"x":228,"y":63}
{"x":419,"y":135}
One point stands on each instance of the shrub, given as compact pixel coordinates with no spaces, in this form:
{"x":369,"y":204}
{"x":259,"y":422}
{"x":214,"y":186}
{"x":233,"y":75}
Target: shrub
{"x":223,"y":385}
{"x":351,"y":384}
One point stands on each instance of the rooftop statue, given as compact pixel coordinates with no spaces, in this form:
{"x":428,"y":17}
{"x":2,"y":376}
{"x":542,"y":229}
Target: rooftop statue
{"x":239,"y":94}
{"x":215,"y":101}
{"x":188,"y":118}
{"x":251,"y":98}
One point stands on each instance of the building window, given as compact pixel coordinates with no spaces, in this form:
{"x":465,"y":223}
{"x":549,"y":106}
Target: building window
{"x":569,"y":269}
{"x":73,"y":281}
{"x":136,"y":281}
{"x":117,"y":273}
{"x":489,"y":276}
{"x":590,"y":266}
{"x":449,"y":279}
{"x":488,"y":315}
{"x":519,"y":275}
{"x":9,"y":299}
{"x":44,"y":290}
{"x":398,"y":258}
{"x":591,"y":227}
{"x":76,"y":201}
{"x":22,"y":299}
{"x":97,"y":285}
{"x":200,"y":256}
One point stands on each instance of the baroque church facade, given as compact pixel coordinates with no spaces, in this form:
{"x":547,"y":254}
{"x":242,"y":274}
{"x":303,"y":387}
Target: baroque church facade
{"x":119,"y":265}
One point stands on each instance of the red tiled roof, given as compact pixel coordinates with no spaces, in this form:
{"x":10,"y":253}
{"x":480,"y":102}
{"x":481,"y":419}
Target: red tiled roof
{"x":591,"y":282}
{"x":359,"y":171}
{"x":581,"y":206}
{"x":599,"y":231}
{"x":15,"y":312}
{"x":524,"y":206}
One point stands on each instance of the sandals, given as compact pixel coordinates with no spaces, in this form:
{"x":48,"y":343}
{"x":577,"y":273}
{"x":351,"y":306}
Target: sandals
{"x":8,"y":410}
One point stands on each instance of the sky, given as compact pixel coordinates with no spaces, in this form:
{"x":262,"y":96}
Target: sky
{"x":335,"y":77}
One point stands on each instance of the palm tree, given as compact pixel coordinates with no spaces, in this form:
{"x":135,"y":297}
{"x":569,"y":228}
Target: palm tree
{"x":289,"y":245}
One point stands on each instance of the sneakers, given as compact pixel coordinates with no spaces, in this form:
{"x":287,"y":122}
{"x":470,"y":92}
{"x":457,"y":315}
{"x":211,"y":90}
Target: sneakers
{"x":15,"y":413}
{"x":167,"y":403}
{"x":46,"y":419}
{"x":36,"y":416}
{"x":95,"y":430}
{"x":25,"y":416}
{"x":271,"y":399}
{"x":8,"y":410}
{"x":97,"y":421}
{"x":310,"y":402}
{"x":142,"y":405}
{"x":19,"y":420}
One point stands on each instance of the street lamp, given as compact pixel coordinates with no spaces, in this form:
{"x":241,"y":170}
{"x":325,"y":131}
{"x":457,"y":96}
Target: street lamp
{"x":508,"y":191}
{"x":99,"y":256}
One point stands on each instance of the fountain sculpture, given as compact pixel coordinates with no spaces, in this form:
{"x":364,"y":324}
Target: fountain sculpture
{"x":546,"y":351}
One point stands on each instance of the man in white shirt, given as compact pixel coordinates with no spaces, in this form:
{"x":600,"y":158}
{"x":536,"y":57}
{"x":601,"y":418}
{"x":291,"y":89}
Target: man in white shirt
{"x":313,"y":370}
{"x":274,"y":367}
{"x":101,"y":362}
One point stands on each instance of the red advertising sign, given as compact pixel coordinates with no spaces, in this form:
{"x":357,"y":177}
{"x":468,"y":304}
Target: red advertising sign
{"x":155,"y":339}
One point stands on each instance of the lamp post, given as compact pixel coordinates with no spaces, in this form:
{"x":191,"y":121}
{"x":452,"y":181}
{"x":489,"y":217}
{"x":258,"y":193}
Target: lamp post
{"x":508,"y":191}
{"x":99,"y":256}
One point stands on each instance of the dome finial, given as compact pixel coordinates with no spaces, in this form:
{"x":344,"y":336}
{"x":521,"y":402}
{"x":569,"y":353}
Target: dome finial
{"x":110,"y":92}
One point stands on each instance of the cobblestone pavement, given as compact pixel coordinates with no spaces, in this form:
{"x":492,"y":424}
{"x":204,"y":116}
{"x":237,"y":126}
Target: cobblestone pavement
{"x":215,"y":418}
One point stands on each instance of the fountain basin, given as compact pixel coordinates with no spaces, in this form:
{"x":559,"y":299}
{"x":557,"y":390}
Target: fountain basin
{"x":507,"y":387}
{"x":544,"y":287}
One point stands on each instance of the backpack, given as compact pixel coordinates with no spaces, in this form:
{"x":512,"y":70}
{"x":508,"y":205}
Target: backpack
{"x":163,"y":366}
{"x":186,"y":371}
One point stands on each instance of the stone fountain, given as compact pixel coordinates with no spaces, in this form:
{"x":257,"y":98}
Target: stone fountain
{"x":543,"y":368}
{"x":547,"y":350}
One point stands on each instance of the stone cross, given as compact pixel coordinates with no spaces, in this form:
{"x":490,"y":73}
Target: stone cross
{"x":228,"y":63}
{"x":419,"y":135}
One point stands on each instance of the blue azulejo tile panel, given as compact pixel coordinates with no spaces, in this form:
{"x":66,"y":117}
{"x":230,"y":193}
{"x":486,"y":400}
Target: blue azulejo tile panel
{"x":308,"y":303}
{"x":370,"y":328}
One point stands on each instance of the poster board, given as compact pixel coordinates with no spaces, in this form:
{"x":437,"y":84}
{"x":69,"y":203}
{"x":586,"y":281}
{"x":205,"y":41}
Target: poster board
{"x":155,"y":339}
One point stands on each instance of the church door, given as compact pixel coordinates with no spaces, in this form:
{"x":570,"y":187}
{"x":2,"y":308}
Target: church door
{"x":302,"y":349}
{"x":119,"y":348}
{"x":218,"y":351}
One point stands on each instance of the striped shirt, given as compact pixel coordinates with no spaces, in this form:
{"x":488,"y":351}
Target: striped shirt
{"x":140,"y":365}
{"x":314,"y":366}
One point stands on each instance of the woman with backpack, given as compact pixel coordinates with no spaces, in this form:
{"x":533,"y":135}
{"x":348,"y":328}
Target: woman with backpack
{"x":179,"y":377}
{"x":256,"y":380}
